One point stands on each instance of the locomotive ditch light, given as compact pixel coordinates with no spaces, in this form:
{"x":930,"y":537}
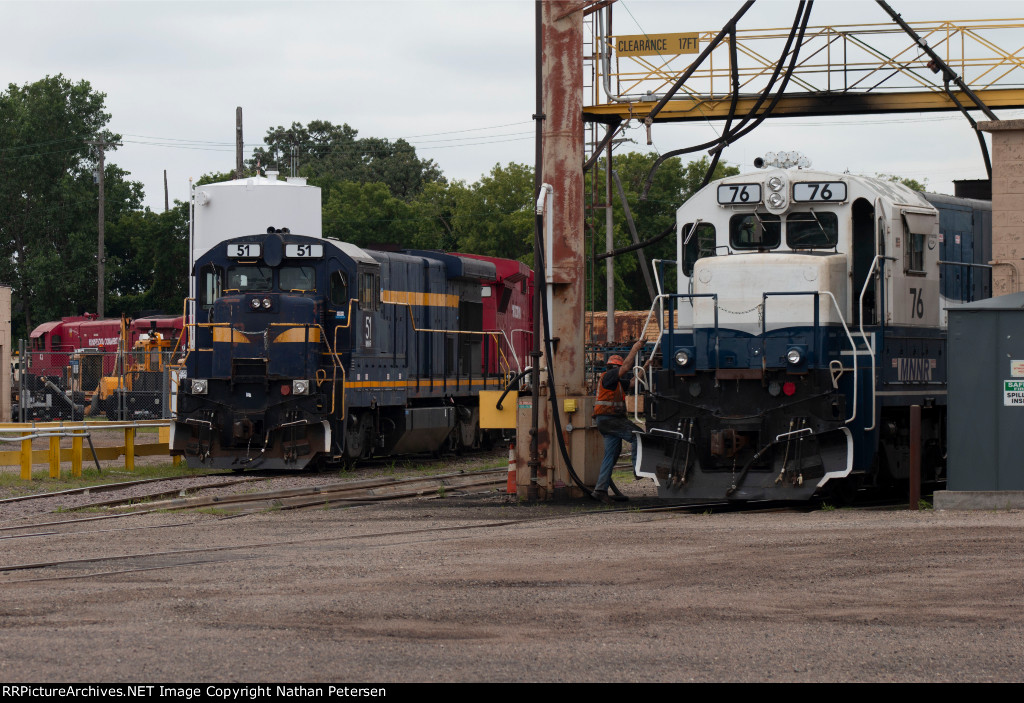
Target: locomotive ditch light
{"x":300,"y":387}
{"x":199,"y":386}
{"x":797,"y":359}
{"x":685,"y":358}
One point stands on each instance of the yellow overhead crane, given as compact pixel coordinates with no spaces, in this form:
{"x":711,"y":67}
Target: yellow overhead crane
{"x":842,"y":69}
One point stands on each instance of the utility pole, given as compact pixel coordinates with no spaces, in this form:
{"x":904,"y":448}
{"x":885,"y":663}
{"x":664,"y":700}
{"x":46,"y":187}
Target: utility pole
{"x":238,"y":142}
{"x":101,"y":147}
{"x":167,"y":201}
{"x":610,"y":244}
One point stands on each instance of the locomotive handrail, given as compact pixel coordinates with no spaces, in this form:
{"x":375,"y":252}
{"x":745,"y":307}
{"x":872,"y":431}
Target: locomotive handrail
{"x":842,"y":321}
{"x":658,"y":300}
{"x":508,"y":343}
{"x":334,"y":381}
{"x":864,"y":336}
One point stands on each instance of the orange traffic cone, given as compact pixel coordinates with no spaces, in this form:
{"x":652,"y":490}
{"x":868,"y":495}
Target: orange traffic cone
{"x":511,"y":487}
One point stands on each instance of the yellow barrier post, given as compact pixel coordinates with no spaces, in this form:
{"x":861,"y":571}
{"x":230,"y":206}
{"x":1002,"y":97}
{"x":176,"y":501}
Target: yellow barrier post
{"x":129,"y":448}
{"x":76,"y":456}
{"x":164,"y":437}
{"x":26,"y":458}
{"x":54,"y":457}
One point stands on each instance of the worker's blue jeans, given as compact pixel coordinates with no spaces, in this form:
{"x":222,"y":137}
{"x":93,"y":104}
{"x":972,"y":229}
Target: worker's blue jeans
{"x":614,"y":429}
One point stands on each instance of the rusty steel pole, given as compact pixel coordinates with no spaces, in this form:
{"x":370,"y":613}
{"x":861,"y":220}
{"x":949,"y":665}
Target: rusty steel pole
{"x":561,"y":167}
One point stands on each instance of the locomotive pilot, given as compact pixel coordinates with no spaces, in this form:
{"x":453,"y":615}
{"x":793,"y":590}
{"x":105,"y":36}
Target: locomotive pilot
{"x":610,"y":418}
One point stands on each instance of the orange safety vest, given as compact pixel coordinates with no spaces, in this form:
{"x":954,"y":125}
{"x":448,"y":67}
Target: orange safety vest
{"x":610,"y":402}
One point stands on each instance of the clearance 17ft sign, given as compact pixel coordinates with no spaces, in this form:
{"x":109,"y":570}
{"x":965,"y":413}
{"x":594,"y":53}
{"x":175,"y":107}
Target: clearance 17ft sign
{"x":656,"y":44}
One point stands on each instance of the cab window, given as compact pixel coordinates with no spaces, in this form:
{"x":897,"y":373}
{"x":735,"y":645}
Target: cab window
{"x":369,"y":290}
{"x":755,"y":231}
{"x":339,"y":289}
{"x":699,"y":242}
{"x":211,"y":286}
{"x":297,"y":278}
{"x":249,"y":278}
{"x":812,"y":230}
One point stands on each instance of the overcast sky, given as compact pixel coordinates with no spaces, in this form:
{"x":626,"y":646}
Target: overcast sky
{"x":454,"y":78}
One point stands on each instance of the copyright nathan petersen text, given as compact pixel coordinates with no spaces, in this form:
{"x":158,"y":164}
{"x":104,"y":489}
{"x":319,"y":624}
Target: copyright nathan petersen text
{"x":229,"y":693}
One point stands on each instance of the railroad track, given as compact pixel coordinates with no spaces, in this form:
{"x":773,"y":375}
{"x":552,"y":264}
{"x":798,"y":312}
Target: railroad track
{"x":342,"y":493}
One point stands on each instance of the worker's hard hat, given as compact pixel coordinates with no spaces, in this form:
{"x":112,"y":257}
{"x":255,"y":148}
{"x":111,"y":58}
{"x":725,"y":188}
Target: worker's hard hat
{"x":615,"y":359}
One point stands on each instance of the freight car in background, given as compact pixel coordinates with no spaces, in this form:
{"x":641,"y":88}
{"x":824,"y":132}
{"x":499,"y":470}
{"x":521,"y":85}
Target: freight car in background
{"x":312,"y":350}
{"x":66,"y":359}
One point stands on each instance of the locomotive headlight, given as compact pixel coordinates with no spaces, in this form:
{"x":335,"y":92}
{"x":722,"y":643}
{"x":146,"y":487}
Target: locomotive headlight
{"x":793,"y":356}
{"x":198,"y":386}
{"x":255,"y":303}
{"x":266,"y":303}
{"x":682,"y":357}
{"x":776,"y":200}
{"x":300,"y":387}
{"x":775,"y":184}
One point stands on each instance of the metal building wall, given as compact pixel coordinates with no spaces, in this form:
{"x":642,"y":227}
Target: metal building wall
{"x":985,"y":424}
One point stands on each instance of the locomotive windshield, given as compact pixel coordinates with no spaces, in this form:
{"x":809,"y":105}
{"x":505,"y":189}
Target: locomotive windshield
{"x":250,"y":278}
{"x":755,"y":231}
{"x":297,"y":278}
{"x":812,"y":230}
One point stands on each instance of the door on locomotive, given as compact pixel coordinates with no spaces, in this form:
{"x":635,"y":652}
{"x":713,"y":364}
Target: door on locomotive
{"x":770,"y":384}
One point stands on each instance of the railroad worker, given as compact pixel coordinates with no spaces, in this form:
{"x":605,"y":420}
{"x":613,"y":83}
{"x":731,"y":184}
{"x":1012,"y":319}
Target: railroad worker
{"x":610,"y":418}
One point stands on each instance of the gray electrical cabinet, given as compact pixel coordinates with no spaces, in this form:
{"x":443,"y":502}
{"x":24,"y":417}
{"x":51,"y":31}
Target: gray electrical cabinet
{"x":985,"y":419}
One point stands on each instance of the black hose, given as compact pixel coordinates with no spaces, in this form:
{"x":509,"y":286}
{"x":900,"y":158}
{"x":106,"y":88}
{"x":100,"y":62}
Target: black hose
{"x":741,"y":129}
{"x":639,"y":245}
{"x":512,"y":384}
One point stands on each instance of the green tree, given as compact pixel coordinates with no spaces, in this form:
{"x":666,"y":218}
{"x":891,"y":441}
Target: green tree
{"x":674,"y":183}
{"x":364,"y":214}
{"x":48,"y":202}
{"x":149,"y":256}
{"x":495,"y":215}
{"x":433,"y":212}
{"x":328,"y":151}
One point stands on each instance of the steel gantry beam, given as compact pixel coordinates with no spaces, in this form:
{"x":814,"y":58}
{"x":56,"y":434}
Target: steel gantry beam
{"x":842,"y":69}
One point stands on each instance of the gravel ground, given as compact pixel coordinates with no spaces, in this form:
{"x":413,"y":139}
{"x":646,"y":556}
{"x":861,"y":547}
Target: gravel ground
{"x":480,"y":588}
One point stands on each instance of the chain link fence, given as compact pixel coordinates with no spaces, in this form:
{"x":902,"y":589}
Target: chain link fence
{"x":89,"y":384}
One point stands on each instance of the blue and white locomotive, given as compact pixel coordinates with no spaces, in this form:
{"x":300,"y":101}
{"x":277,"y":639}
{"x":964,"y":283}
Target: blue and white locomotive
{"x":307,"y":349}
{"x":810,"y":316}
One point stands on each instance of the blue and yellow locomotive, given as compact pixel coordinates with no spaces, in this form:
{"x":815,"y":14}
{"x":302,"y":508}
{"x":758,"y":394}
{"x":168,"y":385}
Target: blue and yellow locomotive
{"x":305,"y":349}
